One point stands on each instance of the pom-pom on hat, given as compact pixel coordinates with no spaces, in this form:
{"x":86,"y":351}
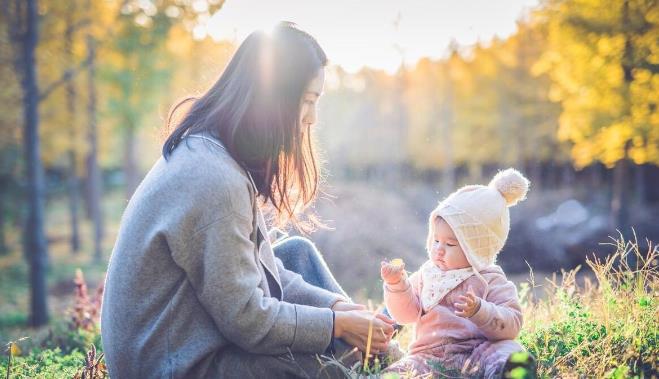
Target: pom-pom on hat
{"x":479,"y":217}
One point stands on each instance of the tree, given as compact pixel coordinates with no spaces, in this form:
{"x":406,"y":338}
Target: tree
{"x":10,"y":130}
{"x":64,"y":58}
{"x":71,"y":108}
{"x":23,"y":24}
{"x":94,"y":188}
{"x":139,"y":70}
{"x":529,"y":118}
{"x":478,"y":133}
{"x":600,"y":59}
{"x":139,"y":65}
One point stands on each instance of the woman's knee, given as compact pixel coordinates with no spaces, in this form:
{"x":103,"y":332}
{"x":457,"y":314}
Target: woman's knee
{"x":296,"y":244}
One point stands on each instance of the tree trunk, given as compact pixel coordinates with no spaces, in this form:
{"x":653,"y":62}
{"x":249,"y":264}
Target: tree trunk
{"x":74,"y":193}
{"x":596,"y":176}
{"x":402,"y":155}
{"x":639,"y":179}
{"x":567,"y":175}
{"x":475,"y":172}
{"x":10,"y":197}
{"x":34,"y":235}
{"x":620,"y":197}
{"x":87,"y":188}
{"x":3,"y":224}
{"x":74,"y":199}
{"x":447,"y":123}
{"x":536,"y":173}
{"x":93,"y":171}
{"x":130,"y":162}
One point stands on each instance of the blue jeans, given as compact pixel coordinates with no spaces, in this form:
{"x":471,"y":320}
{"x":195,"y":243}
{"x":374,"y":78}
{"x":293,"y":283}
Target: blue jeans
{"x":300,"y":255}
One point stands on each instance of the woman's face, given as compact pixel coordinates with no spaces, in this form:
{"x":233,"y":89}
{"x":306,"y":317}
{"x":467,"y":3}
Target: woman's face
{"x":310,"y":97}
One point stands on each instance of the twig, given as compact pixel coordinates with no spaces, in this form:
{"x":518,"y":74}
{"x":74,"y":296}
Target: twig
{"x":66,"y":76}
{"x":79,"y":25}
{"x":9,"y":362}
{"x":370,"y":336}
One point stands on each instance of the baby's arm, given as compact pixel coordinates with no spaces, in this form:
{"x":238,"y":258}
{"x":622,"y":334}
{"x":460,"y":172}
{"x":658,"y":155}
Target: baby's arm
{"x":402,"y":299}
{"x":500,"y":315}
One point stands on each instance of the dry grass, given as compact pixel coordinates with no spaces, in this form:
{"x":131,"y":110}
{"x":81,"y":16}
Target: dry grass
{"x":604,"y":328}
{"x":602,"y":325}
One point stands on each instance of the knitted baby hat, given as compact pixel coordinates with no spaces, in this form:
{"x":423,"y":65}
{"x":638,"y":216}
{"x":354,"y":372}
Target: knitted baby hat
{"x":479,"y":217}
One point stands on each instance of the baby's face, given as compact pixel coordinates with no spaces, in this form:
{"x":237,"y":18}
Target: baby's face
{"x":445,"y":250}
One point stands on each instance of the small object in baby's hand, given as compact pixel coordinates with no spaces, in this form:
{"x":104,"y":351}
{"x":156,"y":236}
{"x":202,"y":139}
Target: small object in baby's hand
{"x":397,"y":262}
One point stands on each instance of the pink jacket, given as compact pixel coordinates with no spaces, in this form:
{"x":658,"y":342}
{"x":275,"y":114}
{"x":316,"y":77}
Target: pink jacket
{"x":453,"y":339}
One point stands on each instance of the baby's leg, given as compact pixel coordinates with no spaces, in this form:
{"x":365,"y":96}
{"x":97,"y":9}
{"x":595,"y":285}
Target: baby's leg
{"x":412,"y":366}
{"x":492,"y":356}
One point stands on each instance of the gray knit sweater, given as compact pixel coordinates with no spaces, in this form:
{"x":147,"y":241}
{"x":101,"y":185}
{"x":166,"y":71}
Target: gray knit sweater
{"x":191,"y":274}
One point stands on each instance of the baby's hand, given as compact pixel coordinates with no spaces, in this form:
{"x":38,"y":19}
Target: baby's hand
{"x":468,"y":305}
{"x":392,"y":272}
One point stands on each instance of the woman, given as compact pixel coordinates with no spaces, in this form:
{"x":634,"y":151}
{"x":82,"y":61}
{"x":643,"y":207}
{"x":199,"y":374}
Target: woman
{"x":193,"y":286}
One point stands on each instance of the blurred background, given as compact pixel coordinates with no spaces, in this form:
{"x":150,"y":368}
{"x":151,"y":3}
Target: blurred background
{"x":421,"y":97}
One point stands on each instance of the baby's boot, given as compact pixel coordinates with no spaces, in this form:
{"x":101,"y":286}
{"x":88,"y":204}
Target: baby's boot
{"x":521,"y":364}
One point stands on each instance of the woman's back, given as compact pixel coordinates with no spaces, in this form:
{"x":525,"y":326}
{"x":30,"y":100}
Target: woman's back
{"x":146,"y":278}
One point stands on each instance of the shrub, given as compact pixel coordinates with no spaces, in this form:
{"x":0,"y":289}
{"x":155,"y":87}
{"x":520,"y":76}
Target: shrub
{"x":46,"y":364}
{"x":603,"y":329}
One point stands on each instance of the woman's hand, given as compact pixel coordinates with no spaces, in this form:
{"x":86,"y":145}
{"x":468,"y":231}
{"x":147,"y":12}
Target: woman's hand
{"x":342,"y":305}
{"x":468,"y":305}
{"x":391,"y":273}
{"x":352,"y":326}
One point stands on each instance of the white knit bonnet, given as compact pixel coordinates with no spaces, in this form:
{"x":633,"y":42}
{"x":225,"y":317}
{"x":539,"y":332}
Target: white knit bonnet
{"x":479,"y":217}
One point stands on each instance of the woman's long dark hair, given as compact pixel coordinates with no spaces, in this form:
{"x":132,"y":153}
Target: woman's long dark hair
{"x":254,"y":109}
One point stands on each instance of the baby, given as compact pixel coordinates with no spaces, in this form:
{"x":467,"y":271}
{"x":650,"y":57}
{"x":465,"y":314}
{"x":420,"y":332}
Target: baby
{"x":465,"y":311}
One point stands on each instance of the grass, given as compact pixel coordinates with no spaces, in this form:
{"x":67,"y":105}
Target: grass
{"x":57,"y":350}
{"x":63,"y":263}
{"x":604,"y":328}
{"x":599,"y":325}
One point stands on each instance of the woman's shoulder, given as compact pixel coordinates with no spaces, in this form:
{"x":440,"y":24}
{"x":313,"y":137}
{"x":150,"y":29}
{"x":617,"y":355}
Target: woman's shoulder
{"x":213,"y":167}
{"x":200,"y":175}
{"x":199,"y":160}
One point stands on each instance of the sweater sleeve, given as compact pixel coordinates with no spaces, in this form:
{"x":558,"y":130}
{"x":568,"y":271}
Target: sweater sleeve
{"x":500,"y":315}
{"x":402,"y":300}
{"x":297,"y":291}
{"x":220,"y":263}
